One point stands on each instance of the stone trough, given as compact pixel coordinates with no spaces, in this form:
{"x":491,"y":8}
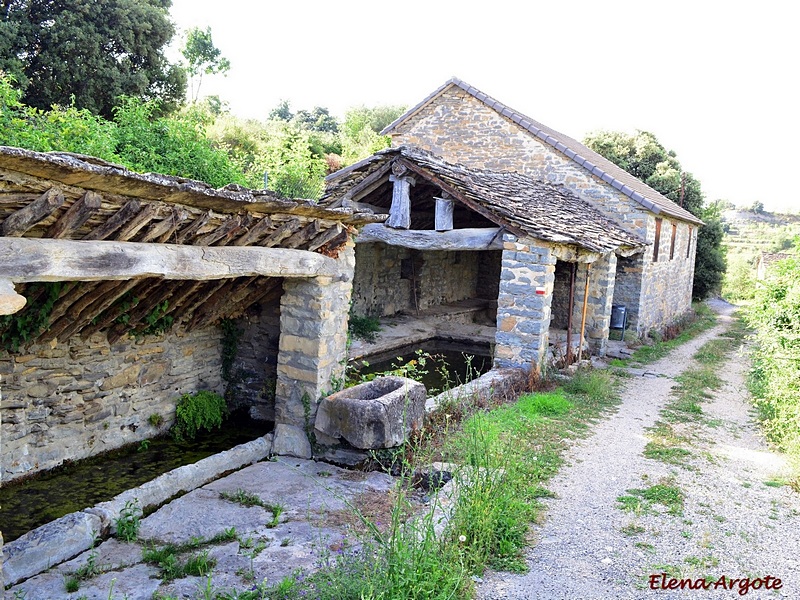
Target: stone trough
{"x":376,"y":414}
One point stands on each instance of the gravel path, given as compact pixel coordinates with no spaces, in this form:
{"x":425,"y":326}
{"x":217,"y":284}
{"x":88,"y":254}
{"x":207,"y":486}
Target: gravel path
{"x":732,"y":524}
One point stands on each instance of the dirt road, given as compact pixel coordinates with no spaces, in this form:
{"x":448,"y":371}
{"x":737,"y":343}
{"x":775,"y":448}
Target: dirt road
{"x":737,"y":520}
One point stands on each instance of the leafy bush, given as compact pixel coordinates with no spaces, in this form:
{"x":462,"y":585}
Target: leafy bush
{"x":363,"y":328}
{"x":203,"y":410}
{"x":129,"y":521}
{"x":775,"y":378}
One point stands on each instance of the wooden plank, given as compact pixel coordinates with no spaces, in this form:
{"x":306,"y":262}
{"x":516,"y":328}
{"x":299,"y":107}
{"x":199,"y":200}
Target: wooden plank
{"x":115,"y":221}
{"x":140,"y":220}
{"x":367,"y":185}
{"x":185,"y":312}
{"x":33,"y":259}
{"x":255,"y":233}
{"x":103,"y":297}
{"x":324,"y":237}
{"x":191,"y":230}
{"x":303,"y":236}
{"x":75,"y":216}
{"x":488,"y":238}
{"x":228,"y":228}
{"x":162,"y":231}
{"x":27,"y":217}
{"x":281,"y":233}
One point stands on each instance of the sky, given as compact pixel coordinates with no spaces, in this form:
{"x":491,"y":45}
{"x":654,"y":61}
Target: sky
{"x":716,"y":82}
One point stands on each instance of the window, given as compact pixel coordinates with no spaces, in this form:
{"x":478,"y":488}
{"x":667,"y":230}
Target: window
{"x":672,"y":243}
{"x":657,"y":241}
{"x":689,"y":242}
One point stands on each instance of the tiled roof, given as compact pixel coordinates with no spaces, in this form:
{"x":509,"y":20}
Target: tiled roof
{"x":590,"y":160}
{"x":523,"y":205}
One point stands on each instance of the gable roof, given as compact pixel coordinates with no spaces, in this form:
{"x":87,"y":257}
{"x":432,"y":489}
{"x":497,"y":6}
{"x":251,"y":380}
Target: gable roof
{"x":590,"y":160}
{"x":520,"y":204}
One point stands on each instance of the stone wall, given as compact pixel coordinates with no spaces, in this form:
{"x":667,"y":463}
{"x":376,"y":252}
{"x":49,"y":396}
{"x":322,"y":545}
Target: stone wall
{"x":256,"y":363}
{"x":379,"y":288}
{"x":79,"y":398}
{"x":666,"y":291}
{"x":447,"y":277}
{"x":385,"y":283}
{"x":523,"y":317}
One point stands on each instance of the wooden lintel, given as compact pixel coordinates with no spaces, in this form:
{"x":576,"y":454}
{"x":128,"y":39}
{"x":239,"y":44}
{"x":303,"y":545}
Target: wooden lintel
{"x":455,"y":239}
{"x":19,"y":222}
{"x":34,"y":259}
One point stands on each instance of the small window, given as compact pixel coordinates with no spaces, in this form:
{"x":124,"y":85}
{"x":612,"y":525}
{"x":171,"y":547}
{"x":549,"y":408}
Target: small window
{"x":689,"y":242}
{"x":657,"y":241}
{"x":672,"y":243}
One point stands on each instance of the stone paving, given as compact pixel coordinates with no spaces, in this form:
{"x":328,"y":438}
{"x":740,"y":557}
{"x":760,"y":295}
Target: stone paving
{"x":315,"y":497}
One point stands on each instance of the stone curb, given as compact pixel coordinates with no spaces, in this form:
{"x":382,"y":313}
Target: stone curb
{"x":495,"y":381}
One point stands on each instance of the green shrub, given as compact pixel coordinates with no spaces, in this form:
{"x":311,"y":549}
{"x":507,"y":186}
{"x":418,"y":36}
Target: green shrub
{"x":203,"y":410}
{"x":363,"y":327}
{"x":129,"y":521}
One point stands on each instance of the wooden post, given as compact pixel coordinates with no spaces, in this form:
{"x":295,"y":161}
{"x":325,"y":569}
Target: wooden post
{"x":444,"y":212}
{"x":400,"y":211}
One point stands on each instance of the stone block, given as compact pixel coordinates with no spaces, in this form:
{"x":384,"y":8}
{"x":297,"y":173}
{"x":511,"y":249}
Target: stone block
{"x":289,"y":440}
{"x":376,"y":414}
{"x":48,"y":545}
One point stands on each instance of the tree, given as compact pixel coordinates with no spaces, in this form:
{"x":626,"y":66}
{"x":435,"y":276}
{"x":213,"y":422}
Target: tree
{"x":88,"y":53}
{"x":282,"y":112}
{"x":360,"y":132}
{"x":643,"y":156}
{"x":203,"y":58}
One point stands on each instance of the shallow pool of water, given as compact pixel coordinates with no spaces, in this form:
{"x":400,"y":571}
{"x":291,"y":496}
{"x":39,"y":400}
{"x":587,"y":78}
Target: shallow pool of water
{"x":447,"y":364}
{"x":73,"y":487}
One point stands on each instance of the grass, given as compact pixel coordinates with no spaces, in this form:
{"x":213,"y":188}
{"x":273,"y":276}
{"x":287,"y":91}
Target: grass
{"x":245,"y":498}
{"x":173,"y":563}
{"x":679,"y":333}
{"x":509,"y":450}
{"x":695,"y":386}
{"x":642,"y":500}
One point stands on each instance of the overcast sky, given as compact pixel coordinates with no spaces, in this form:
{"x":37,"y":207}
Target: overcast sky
{"x":717,"y":82}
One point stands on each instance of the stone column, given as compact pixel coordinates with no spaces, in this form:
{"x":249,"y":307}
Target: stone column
{"x":523,"y":315}
{"x":598,"y":307}
{"x":312,"y":351}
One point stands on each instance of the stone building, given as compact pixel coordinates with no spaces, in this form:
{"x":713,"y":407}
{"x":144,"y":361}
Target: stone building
{"x":459,"y":237}
{"x":461,"y":124}
{"x":114,"y":285}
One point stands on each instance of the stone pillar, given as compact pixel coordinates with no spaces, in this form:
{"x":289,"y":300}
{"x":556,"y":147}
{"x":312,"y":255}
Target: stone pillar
{"x":523,"y":315}
{"x":312,"y":351}
{"x":598,"y":307}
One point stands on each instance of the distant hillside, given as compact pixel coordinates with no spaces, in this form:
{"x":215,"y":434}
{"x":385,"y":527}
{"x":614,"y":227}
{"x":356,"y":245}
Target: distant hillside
{"x":747,"y":236}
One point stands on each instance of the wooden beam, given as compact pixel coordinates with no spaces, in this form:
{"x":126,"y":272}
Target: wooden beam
{"x":33,"y":259}
{"x":115,"y":221}
{"x":366,"y":185}
{"x":22,"y":220}
{"x":255,"y":233}
{"x":77,"y":214}
{"x":456,"y":239}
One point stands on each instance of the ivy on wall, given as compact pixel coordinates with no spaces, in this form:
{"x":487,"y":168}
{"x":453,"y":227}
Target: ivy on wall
{"x":24,"y":326}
